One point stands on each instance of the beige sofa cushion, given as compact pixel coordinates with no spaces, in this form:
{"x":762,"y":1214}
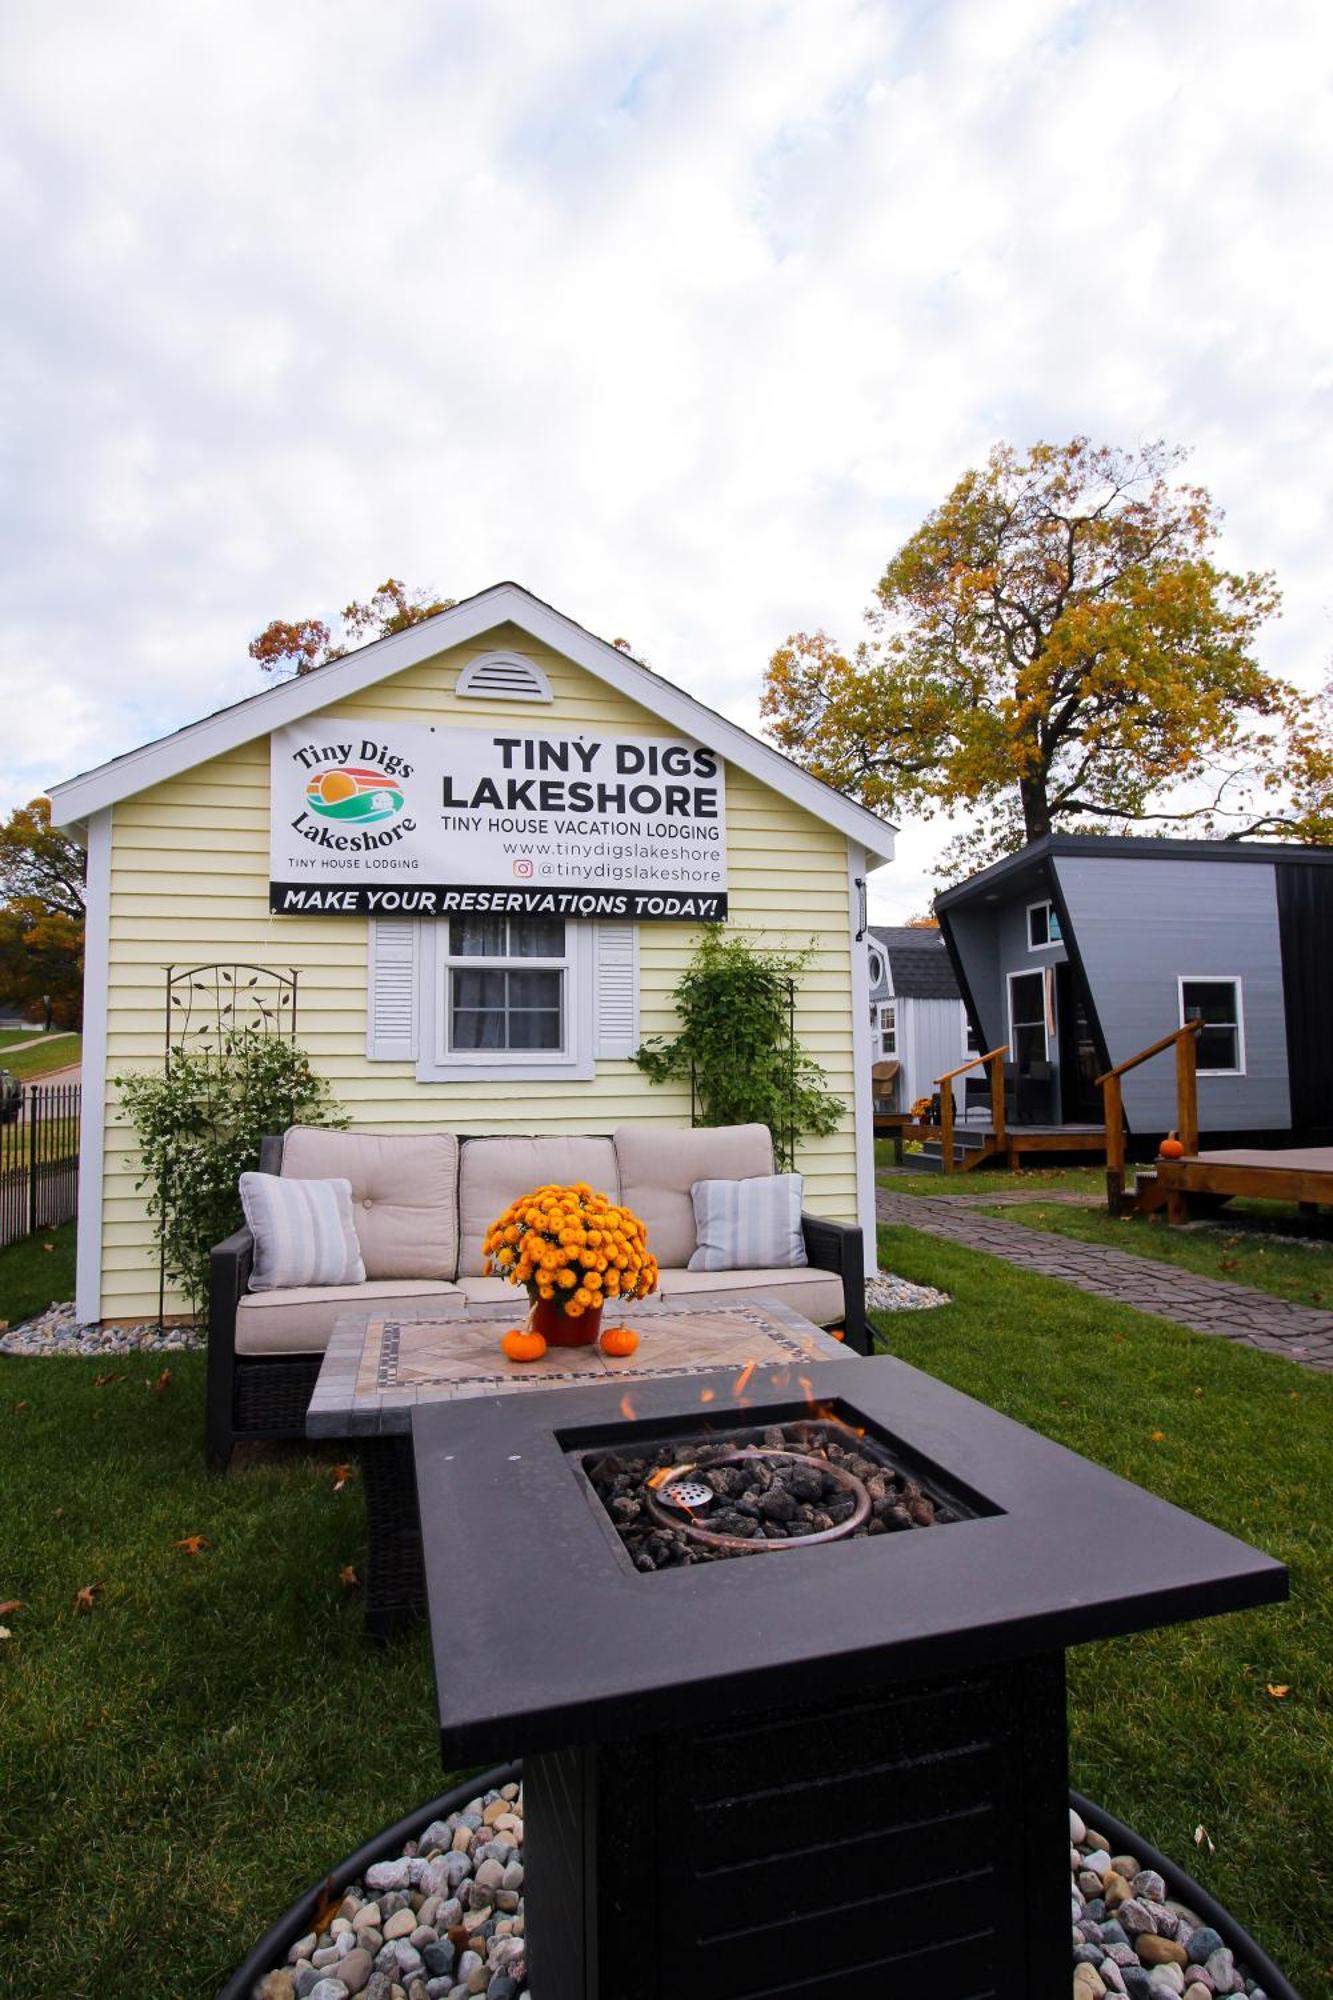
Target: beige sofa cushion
{"x":817,"y":1294}
{"x":659,"y":1165}
{"x":404,"y":1194}
{"x":495,"y":1172}
{"x":300,"y":1321}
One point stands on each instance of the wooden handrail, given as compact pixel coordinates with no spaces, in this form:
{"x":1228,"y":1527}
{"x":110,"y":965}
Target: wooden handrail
{"x":1185,"y":1043}
{"x":1132,"y":1062}
{"x":972,"y":1062}
{"x":993,"y":1061}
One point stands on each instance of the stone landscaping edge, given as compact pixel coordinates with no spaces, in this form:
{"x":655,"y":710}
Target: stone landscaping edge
{"x":277,"y":1941}
{"x":1185,"y":1889}
{"x":275,"y":1947}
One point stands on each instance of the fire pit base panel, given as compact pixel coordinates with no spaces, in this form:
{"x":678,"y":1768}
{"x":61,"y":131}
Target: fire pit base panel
{"x":719,"y":1862}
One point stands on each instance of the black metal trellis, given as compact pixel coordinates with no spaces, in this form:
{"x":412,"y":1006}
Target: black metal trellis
{"x":214,"y":1001}
{"x":786,"y":1144}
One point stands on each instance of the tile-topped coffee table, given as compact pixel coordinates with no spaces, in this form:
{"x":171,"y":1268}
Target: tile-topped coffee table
{"x":379,"y":1366}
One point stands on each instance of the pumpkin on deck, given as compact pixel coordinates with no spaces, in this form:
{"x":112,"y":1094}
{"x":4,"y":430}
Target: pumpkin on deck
{"x":1170,"y":1148}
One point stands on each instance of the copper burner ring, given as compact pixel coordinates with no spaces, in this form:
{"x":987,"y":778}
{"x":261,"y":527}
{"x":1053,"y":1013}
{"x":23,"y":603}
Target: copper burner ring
{"x":739,"y":1545}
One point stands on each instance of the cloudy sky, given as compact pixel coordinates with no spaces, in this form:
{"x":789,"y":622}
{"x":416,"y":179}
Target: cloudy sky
{"x":681,"y":312}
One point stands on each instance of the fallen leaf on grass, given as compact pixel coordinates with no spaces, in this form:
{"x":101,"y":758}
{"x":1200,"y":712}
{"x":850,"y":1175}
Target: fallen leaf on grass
{"x":10,"y":1604}
{"x":1117,"y":1340}
{"x":1202,"y":1837}
{"x":193,"y":1545}
{"x":85,"y":1599}
{"x":48,"y":1246}
{"x":340,"y":1475}
{"x":1158,"y":1437}
{"x":331,"y":1900}
{"x":20,"y":1406}
{"x":348,"y":1577}
{"x":105,"y":1381}
{"x":5,"y":1632}
{"x":161,"y":1385}
{"x":1228,"y":1263}
{"x":1280,"y":1692}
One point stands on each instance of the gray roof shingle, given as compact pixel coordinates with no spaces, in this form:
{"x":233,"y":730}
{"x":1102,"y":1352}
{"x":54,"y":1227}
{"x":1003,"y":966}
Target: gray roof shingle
{"x":918,"y":962}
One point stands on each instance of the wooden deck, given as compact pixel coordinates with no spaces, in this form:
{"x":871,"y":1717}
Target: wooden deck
{"x":977,"y":1141}
{"x":1203,"y":1181}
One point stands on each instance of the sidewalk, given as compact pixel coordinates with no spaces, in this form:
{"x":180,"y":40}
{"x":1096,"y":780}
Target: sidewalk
{"x":1207,"y":1305}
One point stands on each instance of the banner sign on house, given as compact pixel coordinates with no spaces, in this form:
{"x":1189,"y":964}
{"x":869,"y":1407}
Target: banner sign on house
{"x":405,"y":819}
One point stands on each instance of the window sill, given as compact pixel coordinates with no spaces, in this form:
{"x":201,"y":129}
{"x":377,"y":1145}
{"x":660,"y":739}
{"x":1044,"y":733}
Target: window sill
{"x":518,"y":1069}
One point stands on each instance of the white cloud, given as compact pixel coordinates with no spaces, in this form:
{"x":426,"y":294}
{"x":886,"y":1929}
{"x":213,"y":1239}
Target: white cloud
{"x":682,"y":314}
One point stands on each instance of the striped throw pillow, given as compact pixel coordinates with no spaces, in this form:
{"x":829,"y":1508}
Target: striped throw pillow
{"x":303,"y":1231}
{"x":750,"y":1225}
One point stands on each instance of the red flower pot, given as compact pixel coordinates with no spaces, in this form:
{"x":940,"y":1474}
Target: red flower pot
{"x":550,"y":1319}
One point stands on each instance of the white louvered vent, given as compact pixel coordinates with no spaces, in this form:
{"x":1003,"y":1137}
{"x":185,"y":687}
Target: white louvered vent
{"x":504,"y":677}
{"x":616,"y":989}
{"x":391,"y":1023}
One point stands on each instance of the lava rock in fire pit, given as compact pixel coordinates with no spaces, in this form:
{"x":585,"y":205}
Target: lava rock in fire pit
{"x":752,"y":1490}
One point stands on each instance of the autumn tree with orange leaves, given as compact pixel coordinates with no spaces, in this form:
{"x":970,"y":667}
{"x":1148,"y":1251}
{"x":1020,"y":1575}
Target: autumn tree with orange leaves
{"x":1056,"y":649}
{"x":285,"y":648}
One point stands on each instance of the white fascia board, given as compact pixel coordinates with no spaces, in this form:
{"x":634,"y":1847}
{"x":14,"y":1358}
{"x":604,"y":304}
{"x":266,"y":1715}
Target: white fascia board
{"x":96,"y":961}
{"x":503,"y":604}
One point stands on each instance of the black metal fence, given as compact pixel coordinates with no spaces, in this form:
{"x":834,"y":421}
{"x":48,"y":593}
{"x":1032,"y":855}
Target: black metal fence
{"x":39,"y":1161}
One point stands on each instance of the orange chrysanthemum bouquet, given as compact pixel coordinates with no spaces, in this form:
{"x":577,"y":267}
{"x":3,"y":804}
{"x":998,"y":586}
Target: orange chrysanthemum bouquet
{"x":575,"y":1252}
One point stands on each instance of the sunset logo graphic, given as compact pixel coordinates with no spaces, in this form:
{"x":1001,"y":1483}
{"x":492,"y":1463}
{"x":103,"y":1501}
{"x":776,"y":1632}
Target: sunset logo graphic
{"x":355,"y":792}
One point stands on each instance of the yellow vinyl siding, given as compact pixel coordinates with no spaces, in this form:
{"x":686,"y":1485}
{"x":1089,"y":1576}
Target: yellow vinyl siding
{"x":189,"y":885}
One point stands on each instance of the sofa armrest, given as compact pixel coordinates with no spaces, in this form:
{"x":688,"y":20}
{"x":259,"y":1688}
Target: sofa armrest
{"x":229,"y":1267}
{"x":840,"y":1247}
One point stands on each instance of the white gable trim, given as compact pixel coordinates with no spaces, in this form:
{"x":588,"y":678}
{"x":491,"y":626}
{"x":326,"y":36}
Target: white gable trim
{"x":504,"y":604}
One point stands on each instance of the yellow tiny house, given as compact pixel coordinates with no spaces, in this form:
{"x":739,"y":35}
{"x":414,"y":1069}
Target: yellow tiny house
{"x":485,"y":845}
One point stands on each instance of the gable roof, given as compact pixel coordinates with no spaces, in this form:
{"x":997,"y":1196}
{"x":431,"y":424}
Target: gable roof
{"x":918,"y":962}
{"x":502,"y":604}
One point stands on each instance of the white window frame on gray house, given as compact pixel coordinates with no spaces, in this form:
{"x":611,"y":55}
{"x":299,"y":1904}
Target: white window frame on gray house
{"x":411,"y":966}
{"x":1034,"y":973}
{"x":971,"y":1047}
{"x":888,"y":1028}
{"x":1053,"y":939}
{"x":1237,"y":985}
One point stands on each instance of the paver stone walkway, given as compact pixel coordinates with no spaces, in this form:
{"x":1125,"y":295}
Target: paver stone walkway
{"x":1207,"y":1305}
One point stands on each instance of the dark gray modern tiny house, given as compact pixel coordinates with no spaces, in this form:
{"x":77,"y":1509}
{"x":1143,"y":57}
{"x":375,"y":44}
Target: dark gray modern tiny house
{"x":1077,"y":953}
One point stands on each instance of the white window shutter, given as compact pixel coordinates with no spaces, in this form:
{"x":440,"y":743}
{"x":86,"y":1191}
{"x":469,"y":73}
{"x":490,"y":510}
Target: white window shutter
{"x":391,"y":1016}
{"x":616,"y":990}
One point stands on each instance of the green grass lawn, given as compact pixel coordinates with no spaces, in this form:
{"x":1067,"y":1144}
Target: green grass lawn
{"x":9,"y":1036}
{"x":185,"y":1757}
{"x":984,"y":1180}
{"x":1174,"y":1729}
{"x":1302,"y":1271}
{"x":40,"y":1058}
{"x":35,"y":1272}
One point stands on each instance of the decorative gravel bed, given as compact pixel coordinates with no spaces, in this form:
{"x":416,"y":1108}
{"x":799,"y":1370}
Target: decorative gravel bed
{"x":443,"y":1920}
{"x":895,"y":1295}
{"x":59,"y":1331}
{"x":1131,"y":1937}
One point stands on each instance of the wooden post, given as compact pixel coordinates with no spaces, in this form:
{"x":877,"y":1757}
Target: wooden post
{"x":1187,"y":1090}
{"x":946,"y":1122}
{"x":996,"y":1068}
{"x":1113,"y":1111}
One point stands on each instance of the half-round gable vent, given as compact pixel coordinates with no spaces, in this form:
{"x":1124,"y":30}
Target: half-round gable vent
{"x":504,"y":677}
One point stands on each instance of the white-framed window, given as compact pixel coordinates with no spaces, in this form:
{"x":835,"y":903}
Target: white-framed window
{"x":1220,"y":1043}
{"x":495,"y":999}
{"x":1028,"y":1042}
{"x":1043,"y":926}
{"x":888,"y":1028}
{"x":971,"y":1046}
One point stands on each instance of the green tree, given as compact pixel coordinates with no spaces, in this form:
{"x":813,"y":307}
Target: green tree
{"x":736,"y":1044}
{"x":41,"y":917}
{"x":1056,"y":648}
{"x":39,"y":863}
{"x":283,"y":648}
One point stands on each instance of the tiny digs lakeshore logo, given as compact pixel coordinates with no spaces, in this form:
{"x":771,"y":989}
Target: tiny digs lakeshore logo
{"x":351,"y":788}
{"x":356,"y":792}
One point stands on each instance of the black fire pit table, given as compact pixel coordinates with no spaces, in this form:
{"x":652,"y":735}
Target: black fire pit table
{"x":835,"y":1765}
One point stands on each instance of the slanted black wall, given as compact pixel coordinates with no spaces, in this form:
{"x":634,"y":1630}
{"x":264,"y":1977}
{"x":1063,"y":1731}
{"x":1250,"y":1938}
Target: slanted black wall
{"x":1305,"y":927}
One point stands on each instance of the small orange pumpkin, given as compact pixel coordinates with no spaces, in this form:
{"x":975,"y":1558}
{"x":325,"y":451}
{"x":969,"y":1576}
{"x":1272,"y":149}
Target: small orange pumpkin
{"x":1170,"y":1148}
{"x":522,"y":1345}
{"x":619,"y":1340}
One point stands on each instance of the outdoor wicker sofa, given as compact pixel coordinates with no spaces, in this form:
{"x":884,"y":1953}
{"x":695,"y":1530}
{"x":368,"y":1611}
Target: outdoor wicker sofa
{"x":422,"y":1204}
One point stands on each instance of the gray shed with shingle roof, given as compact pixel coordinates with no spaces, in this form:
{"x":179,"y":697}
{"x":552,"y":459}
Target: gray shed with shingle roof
{"x":916,"y":1012}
